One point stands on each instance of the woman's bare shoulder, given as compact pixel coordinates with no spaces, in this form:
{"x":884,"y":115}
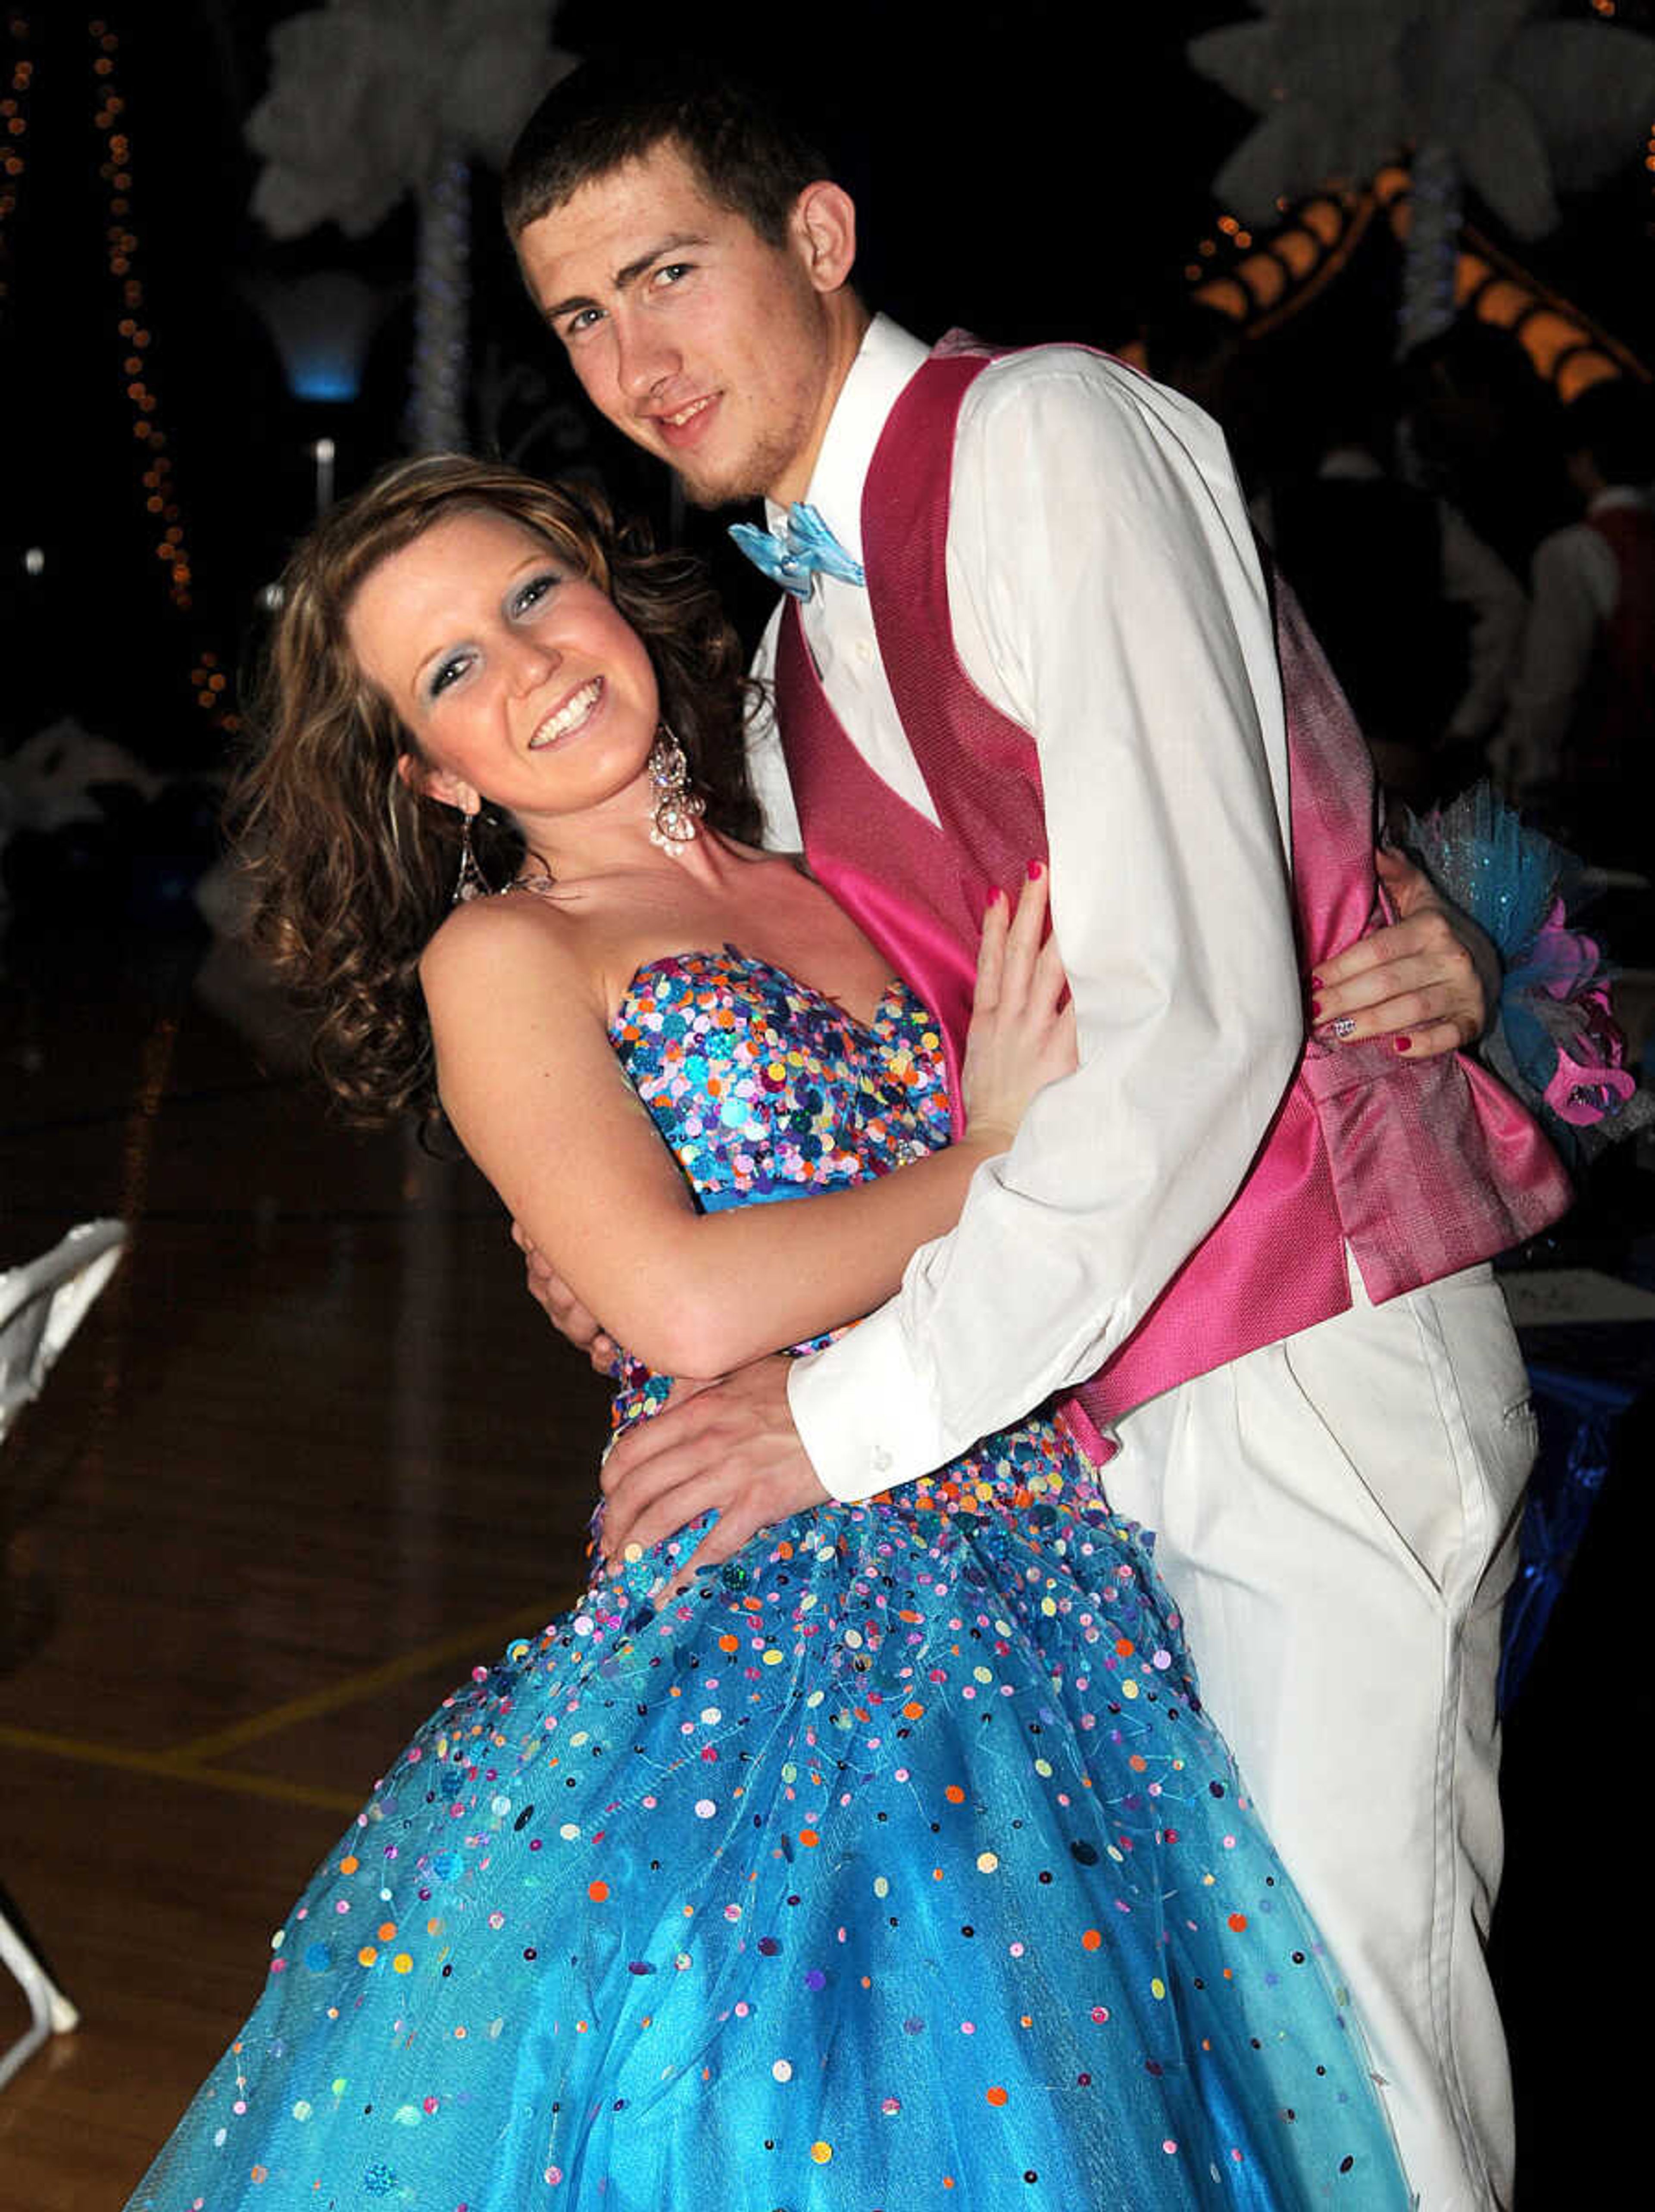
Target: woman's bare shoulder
{"x":518,"y":940}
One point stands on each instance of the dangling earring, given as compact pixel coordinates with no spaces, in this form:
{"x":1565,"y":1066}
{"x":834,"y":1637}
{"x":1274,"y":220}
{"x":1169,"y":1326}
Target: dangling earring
{"x":676,"y":821}
{"x":471,"y":883}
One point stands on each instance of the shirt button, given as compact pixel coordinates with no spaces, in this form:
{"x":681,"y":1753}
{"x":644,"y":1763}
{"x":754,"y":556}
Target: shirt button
{"x":881,"y":1459}
{"x":864,"y":652}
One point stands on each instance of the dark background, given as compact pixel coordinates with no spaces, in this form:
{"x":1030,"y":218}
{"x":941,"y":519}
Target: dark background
{"x":1036,"y":171}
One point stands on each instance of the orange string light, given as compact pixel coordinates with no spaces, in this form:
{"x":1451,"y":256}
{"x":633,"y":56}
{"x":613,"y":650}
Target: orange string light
{"x":1566,"y":346}
{"x":14,"y":112}
{"x":171,"y":547}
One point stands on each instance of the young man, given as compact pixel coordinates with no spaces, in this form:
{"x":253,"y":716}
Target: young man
{"x":1063,"y":646}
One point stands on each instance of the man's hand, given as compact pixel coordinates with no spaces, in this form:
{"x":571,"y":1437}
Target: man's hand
{"x":1429,"y":981}
{"x":729,"y":1448}
{"x":560,"y":1306}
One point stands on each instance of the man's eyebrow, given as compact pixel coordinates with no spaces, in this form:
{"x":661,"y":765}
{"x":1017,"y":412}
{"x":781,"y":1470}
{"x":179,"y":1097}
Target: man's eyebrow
{"x":674,"y":242}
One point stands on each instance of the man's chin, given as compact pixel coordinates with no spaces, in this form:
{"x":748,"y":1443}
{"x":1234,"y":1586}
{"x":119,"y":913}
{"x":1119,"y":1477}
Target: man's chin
{"x":741,"y":476}
{"x":735,"y":484}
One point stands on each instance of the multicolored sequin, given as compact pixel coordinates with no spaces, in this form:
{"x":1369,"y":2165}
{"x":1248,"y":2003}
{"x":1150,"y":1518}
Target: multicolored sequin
{"x":894,"y":1866}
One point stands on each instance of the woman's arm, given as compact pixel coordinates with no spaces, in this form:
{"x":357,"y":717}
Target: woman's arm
{"x":531,"y":1083}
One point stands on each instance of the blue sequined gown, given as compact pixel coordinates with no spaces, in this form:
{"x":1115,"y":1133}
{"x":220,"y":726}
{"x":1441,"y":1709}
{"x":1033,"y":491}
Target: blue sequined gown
{"x":896,"y":1868}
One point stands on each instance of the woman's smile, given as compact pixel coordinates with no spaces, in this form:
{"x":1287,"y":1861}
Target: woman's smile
{"x":573,"y":713}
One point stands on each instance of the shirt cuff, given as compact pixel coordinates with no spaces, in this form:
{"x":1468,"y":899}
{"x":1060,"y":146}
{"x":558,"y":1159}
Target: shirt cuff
{"x":861,"y":1413}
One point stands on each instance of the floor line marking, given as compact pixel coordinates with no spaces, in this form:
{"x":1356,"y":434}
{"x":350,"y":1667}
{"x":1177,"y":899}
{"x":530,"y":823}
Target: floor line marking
{"x":168,"y":1766}
{"x":484,"y":1637}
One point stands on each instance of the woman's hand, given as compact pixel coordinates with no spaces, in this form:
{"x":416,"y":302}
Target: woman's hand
{"x":571,"y":1321}
{"x":1428,"y":981}
{"x":1022,"y":1020}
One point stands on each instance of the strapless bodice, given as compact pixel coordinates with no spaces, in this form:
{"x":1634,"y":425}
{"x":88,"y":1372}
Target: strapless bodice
{"x":766,"y":1089}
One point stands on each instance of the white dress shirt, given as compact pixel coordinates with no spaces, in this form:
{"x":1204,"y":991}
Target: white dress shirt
{"x":1106,"y":597}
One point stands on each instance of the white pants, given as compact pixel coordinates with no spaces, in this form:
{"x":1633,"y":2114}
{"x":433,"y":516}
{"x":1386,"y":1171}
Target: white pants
{"x":1337,"y":1519}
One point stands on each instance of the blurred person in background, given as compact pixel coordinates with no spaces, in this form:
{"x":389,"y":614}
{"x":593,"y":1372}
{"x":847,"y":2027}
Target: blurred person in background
{"x":1576,"y":743}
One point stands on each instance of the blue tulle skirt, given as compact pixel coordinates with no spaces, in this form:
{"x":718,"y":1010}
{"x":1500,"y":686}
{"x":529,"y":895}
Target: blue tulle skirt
{"x":894,"y":1866}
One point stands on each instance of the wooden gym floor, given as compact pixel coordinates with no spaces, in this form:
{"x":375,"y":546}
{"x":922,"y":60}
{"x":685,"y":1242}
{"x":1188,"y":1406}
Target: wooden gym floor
{"x":314,"y":1456}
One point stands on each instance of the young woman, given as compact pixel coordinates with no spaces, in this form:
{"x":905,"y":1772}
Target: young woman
{"x":893,"y":1864}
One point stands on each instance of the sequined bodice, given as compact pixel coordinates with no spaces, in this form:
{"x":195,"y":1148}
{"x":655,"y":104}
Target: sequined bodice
{"x":765,"y":1089}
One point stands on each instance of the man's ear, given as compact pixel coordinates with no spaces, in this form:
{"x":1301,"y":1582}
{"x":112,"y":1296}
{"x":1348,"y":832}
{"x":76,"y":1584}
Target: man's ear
{"x":823,"y":226}
{"x":428,"y":782}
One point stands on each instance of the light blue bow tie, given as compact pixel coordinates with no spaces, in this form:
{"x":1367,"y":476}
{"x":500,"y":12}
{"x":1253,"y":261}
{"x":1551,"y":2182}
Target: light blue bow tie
{"x":792,"y":555}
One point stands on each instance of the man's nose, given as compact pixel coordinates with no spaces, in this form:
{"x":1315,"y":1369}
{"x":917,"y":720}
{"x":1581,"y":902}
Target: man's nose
{"x":644,"y":357}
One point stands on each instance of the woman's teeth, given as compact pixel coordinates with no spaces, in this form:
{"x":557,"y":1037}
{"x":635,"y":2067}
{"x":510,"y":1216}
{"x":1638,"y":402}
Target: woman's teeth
{"x":573,"y":711}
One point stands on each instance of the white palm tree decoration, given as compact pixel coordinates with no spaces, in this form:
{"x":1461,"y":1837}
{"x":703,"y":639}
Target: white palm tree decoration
{"x":1494,"y":93}
{"x":371,"y":98}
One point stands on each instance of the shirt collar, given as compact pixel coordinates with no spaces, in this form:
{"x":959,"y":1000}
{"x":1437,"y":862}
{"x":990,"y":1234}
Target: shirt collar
{"x":885,"y":361}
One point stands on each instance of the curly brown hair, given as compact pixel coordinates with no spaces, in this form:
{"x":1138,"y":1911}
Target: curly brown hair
{"x":352,"y":871}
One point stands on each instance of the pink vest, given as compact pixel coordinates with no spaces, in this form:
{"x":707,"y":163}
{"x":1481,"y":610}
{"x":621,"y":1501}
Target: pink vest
{"x":1420,"y":1168}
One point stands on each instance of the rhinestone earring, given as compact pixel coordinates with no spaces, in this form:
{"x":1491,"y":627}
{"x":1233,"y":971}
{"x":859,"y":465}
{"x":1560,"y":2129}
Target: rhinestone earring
{"x":471,"y":883}
{"x":676,"y":821}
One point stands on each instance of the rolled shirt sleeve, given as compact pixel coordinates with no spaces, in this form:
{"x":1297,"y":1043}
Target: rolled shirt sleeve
{"x":1107,"y":596}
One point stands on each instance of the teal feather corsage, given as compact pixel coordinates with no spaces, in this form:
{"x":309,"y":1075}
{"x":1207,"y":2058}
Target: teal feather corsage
{"x":1556,"y":1041}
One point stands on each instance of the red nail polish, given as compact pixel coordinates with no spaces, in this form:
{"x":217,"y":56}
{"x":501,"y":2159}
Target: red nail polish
{"x":1404,"y":1043}
{"x":1315,"y":1009}
{"x":1036,"y":870}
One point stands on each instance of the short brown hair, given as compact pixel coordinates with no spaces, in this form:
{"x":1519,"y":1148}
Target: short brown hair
{"x":745,"y":154}
{"x":353,"y":871}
